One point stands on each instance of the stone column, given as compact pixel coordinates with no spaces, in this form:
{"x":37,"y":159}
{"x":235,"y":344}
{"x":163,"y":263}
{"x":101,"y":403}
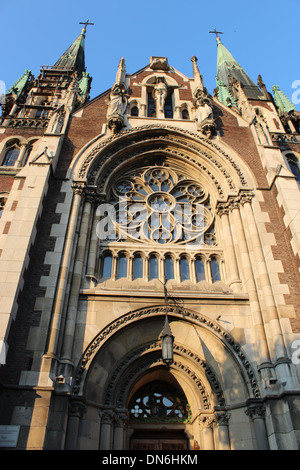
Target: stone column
{"x":222,"y":439}
{"x":76,"y":412}
{"x":76,"y":282}
{"x":257,"y":414}
{"x":90,"y":277}
{"x":245,"y":269}
{"x":106,"y":429}
{"x":229,"y":252}
{"x":64,"y":273}
{"x":21,"y":156}
{"x":120,"y":422}
{"x":206,"y":432}
{"x":270,"y":311}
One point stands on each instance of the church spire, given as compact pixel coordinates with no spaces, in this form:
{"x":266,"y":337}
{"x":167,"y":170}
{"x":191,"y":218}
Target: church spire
{"x":73,"y":59}
{"x":229,"y":71}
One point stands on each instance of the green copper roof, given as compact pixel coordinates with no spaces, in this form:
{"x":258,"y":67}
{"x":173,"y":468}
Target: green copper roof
{"x":281,"y":100}
{"x":73,"y":58}
{"x":228,"y":67}
{"x":18,"y":87}
{"x":223,"y":94}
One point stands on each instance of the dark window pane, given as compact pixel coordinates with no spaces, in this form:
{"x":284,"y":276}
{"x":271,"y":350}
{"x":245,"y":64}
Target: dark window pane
{"x":138,"y":267}
{"x":215,"y":270}
{"x":11,"y":157}
{"x":107,"y":264}
{"x":153,"y":268}
{"x":168,"y":107}
{"x":134,"y":111}
{"x":151,"y":106}
{"x":200,"y":273}
{"x":169,"y":268}
{"x":295,"y":169}
{"x":122,"y":266}
{"x":184,"y":269}
{"x":185,"y":114}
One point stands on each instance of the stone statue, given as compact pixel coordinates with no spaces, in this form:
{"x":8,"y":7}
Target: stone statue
{"x":204,"y":112}
{"x":117,"y":101}
{"x":160,"y":91}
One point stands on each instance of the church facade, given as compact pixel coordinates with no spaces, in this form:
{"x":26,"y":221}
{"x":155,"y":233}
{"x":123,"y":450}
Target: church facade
{"x":149,"y":242}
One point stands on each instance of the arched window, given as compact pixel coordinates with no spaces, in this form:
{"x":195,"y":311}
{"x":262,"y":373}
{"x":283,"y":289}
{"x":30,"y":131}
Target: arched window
{"x":294,"y":165}
{"x":134,"y":111}
{"x":184,"y":269}
{"x":122,"y":266}
{"x":215,"y":270}
{"x":107,"y":265}
{"x":11,"y":156}
{"x":153,"y":267}
{"x":200,"y":270}
{"x":169,"y":268}
{"x":137,"y":267}
{"x":185,"y":114}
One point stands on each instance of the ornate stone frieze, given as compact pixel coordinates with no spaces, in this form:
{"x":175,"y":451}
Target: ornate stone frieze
{"x":256,"y":411}
{"x":110,"y":150}
{"x":234,"y":202}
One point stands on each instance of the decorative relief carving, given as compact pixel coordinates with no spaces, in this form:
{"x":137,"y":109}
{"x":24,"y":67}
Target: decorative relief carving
{"x":216,"y":388}
{"x":234,"y":202}
{"x":83,"y":172}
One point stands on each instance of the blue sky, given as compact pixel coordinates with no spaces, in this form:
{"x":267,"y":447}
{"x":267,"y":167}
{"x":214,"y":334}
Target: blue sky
{"x":263,"y":36}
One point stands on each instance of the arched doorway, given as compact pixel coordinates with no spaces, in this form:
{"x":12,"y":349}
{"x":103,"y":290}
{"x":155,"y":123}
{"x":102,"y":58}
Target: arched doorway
{"x":158,"y":413}
{"x":206,"y":388}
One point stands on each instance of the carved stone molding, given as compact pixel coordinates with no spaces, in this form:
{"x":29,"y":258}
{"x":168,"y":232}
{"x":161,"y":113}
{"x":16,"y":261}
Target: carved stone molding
{"x":141,"y":314}
{"x":106,"y":416}
{"x":79,"y":188}
{"x":77,"y":409}
{"x":124,"y":388}
{"x":138,"y":136}
{"x":206,"y":421}
{"x":256,"y":411}
{"x":234,"y":202}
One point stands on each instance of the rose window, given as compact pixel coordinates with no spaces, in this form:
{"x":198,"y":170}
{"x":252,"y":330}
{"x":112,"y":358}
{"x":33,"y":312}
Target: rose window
{"x":159,"y":205}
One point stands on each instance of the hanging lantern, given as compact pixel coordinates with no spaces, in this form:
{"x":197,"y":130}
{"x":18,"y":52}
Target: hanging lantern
{"x":167,"y":343}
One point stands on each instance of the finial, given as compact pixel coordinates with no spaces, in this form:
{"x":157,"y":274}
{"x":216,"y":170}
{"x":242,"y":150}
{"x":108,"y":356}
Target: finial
{"x":85,"y":25}
{"x":216,"y":33}
{"x":197,"y":75}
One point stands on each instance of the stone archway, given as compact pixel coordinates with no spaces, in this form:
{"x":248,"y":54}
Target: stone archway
{"x":209,"y":367}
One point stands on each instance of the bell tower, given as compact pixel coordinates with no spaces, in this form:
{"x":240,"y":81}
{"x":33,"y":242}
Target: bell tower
{"x":34,"y":119}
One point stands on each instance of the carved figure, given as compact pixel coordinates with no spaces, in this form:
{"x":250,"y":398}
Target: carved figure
{"x":117,"y":100}
{"x":160,"y":91}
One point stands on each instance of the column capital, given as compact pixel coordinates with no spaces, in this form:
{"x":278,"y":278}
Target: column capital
{"x":106,"y":416}
{"x":256,"y":411}
{"x":222,"y":418}
{"x":77,"y":409}
{"x":120,"y":418}
{"x":79,"y":188}
{"x":206,"y":421}
{"x":234,"y":202}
